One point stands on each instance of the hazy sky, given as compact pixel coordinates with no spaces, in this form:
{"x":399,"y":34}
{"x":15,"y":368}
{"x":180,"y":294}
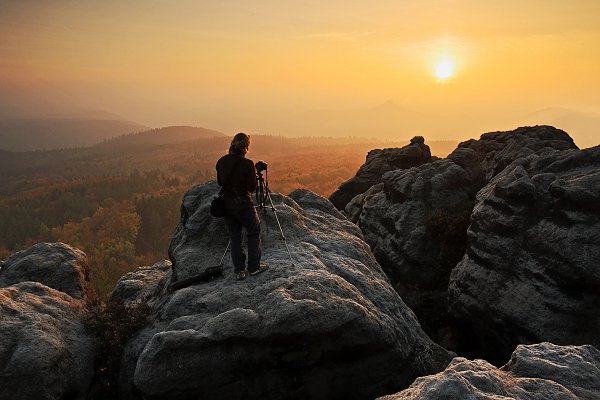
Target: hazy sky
{"x":268,"y":65}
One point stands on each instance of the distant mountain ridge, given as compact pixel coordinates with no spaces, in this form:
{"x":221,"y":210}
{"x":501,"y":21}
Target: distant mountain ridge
{"x":26,"y":134}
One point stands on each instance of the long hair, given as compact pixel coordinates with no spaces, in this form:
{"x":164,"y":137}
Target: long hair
{"x":240,"y":144}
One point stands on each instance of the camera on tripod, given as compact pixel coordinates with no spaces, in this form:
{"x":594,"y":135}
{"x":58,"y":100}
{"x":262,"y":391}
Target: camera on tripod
{"x":260,"y":166}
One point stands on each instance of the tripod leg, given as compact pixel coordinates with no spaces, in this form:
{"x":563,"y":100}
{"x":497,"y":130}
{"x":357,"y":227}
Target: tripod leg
{"x":268,"y":195}
{"x":225,"y":252}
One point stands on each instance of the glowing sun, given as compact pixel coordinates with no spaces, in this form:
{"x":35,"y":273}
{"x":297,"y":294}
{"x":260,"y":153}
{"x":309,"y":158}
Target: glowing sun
{"x":444,"y":69}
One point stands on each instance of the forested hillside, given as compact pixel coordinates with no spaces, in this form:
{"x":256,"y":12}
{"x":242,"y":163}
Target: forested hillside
{"x":25,"y":134}
{"x":119,"y":201}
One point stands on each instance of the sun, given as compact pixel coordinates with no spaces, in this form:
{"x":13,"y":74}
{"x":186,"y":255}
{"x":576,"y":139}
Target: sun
{"x":444,"y":69}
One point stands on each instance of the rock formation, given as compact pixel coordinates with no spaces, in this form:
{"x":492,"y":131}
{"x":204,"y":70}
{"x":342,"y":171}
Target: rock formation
{"x":56,"y":265}
{"x":498,"y":149}
{"x":45,"y":352}
{"x":143,"y":284}
{"x":542,"y":371}
{"x":416,"y":219}
{"x":531,"y":272}
{"x":377,"y":163}
{"x":325,"y":322}
{"x":409,"y":224}
{"x":328,"y":326}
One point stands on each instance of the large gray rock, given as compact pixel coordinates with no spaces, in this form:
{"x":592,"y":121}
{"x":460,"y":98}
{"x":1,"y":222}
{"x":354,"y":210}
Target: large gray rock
{"x":143,"y":284}
{"x":379,"y":162}
{"x":56,"y":265}
{"x":531,"y":272}
{"x":329,"y":326}
{"x":542,"y":371}
{"x":416,"y":222}
{"x":416,"y":219}
{"x":45,"y":351}
{"x":496,"y":150}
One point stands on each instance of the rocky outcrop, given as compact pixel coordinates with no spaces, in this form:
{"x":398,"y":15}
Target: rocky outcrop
{"x":143,"y":284}
{"x":55,"y":265}
{"x":416,"y":226}
{"x":45,"y":351}
{"x":327,"y":326}
{"x":496,"y":150}
{"x":379,"y":162}
{"x":416,"y":219}
{"x":531,"y":271}
{"x":542,"y":371}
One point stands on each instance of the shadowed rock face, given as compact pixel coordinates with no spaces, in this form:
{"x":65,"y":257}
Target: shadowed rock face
{"x":416,"y":219}
{"x":531,"y":271}
{"x":541,"y":371}
{"x":409,"y":224}
{"x":379,"y":162}
{"x":330,"y":326}
{"x":45,"y":352}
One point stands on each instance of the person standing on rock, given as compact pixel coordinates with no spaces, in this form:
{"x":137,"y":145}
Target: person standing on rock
{"x":237,"y":175}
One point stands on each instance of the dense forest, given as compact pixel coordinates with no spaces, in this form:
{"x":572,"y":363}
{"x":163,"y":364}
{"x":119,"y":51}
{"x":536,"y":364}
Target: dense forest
{"x":119,"y":200}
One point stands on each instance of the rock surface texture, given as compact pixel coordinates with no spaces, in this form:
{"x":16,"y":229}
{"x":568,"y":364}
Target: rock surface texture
{"x":531,"y":272}
{"x":328,"y":327}
{"x":377,"y":163}
{"x":416,"y":219}
{"x":496,"y":150}
{"x":414,"y":225}
{"x":542,"y":371}
{"x":45,"y":351}
{"x":142,"y":284}
{"x":55,"y":265}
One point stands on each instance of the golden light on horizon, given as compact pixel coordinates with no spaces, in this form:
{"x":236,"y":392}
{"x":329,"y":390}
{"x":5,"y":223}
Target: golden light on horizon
{"x":201,"y":62}
{"x":444,"y":69}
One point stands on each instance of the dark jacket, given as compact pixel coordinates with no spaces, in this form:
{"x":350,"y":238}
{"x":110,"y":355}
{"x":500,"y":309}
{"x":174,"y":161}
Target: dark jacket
{"x":238,"y":187}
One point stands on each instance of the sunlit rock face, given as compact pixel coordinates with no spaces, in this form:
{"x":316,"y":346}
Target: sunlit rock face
{"x":327,"y":326}
{"x":56,"y":265}
{"x":379,"y":162}
{"x":531,"y":271}
{"x":541,"y":371}
{"x":45,"y":351}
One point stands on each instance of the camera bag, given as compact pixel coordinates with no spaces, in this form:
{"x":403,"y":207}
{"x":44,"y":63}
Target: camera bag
{"x":217,"y":205}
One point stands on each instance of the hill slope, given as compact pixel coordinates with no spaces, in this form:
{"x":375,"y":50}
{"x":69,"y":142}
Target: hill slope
{"x":55,"y":133}
{"x":161,"y":136}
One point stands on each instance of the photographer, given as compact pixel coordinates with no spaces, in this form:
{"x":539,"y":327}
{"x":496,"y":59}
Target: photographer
{"x":237,"y":175}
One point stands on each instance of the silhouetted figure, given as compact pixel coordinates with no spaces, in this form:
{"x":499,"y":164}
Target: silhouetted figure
{"x":237,"y":175}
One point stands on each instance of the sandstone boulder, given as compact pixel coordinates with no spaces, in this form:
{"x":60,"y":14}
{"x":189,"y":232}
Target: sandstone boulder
{"x":416,"y":222}
{"x":56,"y":265}
{"x":531,"y":272}
{"x":496,"y":150}
{"x":541,"y":371}
{"x":377,"y":163}
{"x":416,"y":219}
{"x":327,"y":326}
{"x":45,"y":351}
{"x":142,"y":284}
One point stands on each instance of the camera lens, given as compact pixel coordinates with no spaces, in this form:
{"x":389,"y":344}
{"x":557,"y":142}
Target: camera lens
{"x":261,"y":165}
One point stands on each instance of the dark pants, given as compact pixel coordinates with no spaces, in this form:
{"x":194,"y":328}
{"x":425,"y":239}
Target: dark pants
{"x":235,"y":220}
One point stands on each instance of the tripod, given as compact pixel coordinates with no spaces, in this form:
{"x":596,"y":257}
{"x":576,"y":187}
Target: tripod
{"x":264,"y":200}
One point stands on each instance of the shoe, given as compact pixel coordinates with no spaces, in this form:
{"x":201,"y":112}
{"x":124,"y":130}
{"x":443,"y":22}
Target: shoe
{"x":240,"y":275}
{"x":263,"y":267}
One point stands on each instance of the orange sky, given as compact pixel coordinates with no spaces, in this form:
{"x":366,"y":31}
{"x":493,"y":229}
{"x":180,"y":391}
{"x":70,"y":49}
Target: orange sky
{"x":308,"y":68}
